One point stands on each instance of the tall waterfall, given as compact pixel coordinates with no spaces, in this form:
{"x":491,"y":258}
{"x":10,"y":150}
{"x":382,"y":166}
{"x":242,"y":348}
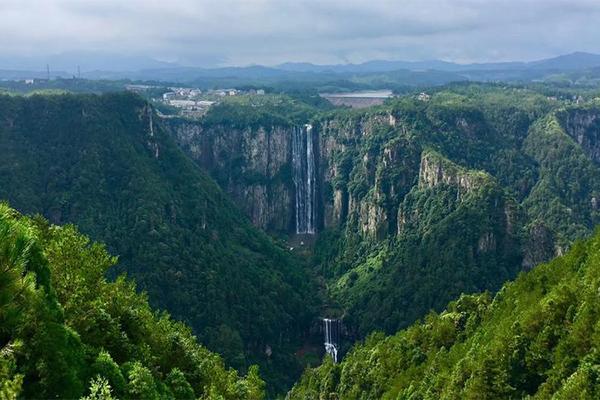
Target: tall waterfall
{"x":332,"y":337}
{"x":303,"y":160}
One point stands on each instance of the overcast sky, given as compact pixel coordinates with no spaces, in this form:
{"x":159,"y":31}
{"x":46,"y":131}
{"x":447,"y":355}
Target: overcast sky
{"x":241,"y":32}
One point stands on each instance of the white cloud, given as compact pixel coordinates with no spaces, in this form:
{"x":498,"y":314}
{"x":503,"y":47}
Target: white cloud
{"x":273,"y":31}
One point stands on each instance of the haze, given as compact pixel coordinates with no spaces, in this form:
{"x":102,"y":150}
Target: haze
{"x":269,"y":32}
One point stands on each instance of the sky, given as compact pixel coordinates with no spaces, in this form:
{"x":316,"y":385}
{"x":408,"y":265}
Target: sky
{"x":268,"y":32}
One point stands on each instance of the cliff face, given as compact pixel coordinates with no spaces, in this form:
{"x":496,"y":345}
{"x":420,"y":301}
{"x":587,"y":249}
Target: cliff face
{"x":367,"y":162}
{"x":252,"y":165}
{"x":435,"y":170}
{"x":456,"y":230}
{"x":362,"y":178}
{"x":583,"y":125}
{"x":365,"y":166}
{"x":256,"y":167}
{"x":445,"y":188}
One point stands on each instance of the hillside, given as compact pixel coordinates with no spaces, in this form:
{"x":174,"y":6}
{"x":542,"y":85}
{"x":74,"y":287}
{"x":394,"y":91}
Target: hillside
{"x":425,"y":200}
{"x":65,"y":331}
{"x":538,"y":336}
{"x":398,"y":209}
{"x":415,"y":201}
{"x":105,"y":164}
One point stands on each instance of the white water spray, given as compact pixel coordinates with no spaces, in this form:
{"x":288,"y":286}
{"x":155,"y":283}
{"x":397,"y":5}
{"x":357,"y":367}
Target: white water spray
{"x":332,"y":337}
{"x":303,"y":164}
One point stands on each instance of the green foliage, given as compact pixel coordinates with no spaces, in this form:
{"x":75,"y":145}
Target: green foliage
{"x":266,"y":111}
{"x":10,"y":381}
{"x":99,"y":390}
{"x":141,"y":383}
{"x":109,"y":370}
{"x":179,"y":386}
{"x":106,"y":333}
{"x":538,"y":337}
{"x":105,"y":164}
{"x":255,"y":386}
{"x":451,"y":194}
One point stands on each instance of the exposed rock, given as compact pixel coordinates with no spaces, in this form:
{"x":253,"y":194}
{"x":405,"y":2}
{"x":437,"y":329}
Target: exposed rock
{"x":487,"y":242}
{"x":373,"y":220}
{"x":583,"y":125}
{"x":340,"y":208}
{"x":146,"y":115}
{"x":539,"y":247}
{"x":436,"y":170}
{"x":252,"y":165}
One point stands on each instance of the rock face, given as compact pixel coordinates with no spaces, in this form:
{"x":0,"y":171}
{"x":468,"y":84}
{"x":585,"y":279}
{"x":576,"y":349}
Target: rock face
{"x":435,"y":170}
{"x":447,"y":186}
{"x":583,"y":125}
{"x":301,"y":179}
{"x":362,"y":166}
{"x":253,"y":165}
{"x":539,"y":246}
{"x":360,"y":184}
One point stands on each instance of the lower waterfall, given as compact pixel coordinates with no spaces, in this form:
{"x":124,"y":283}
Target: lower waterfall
{"x":332,"y":337}
{"x":303,"y":164}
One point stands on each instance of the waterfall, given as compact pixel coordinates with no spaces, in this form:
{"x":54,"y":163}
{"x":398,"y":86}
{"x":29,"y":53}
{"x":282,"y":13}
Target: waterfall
{"x":303,"y":165}
{"x":332,"y":337}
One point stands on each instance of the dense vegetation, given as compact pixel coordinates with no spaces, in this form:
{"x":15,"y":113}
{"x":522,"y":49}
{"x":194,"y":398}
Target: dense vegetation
{"x":437,"y":196}
{"x":538,"y":336}
{"x":65,"y":331}
{"x":516,"y":182}
{"x":519,"y":182}
{"x":242,"y":112}
{"x":104,"y":163}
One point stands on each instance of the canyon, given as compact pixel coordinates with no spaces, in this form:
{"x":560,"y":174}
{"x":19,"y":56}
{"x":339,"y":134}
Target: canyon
{"x":410,"y":198}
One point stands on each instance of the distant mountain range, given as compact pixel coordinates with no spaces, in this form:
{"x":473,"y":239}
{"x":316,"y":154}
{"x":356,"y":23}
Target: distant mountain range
{"x":573,"y":61}
{"x":107,"y":66}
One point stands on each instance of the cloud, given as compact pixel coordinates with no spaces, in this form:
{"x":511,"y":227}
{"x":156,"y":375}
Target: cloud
{"x":322,"y":31}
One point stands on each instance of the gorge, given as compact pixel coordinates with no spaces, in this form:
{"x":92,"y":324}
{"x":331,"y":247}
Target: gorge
{"x":388,"y":186}
{"x":404,"y":206}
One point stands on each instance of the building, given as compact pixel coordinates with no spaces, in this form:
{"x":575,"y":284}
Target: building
{"x":423,"y":97}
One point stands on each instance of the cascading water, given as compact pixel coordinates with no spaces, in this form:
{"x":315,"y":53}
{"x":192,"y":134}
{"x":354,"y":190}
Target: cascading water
{"x":303,"y":162}
{"x":332,"y":337}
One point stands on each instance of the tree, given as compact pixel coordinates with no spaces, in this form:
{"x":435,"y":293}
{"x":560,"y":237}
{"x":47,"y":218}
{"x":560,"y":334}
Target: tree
{"x":141,"y":383}
{"x":179,"y":385}
{"x":99,"y":390}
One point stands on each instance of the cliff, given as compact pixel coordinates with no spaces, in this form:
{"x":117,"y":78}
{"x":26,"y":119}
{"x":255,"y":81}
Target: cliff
{"x":253,"y":165}
{"x":583,"y":125}
{"x":436,"y":170}
{"x":361,"y":180}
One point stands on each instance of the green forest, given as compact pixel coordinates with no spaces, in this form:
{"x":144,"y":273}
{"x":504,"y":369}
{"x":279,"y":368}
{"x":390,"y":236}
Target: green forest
{"x":103,"y":163}
{"x":425,"y":207}
{"x":537,"y":337}
{"x":458,"y":195}
{"x":68,"y":332}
